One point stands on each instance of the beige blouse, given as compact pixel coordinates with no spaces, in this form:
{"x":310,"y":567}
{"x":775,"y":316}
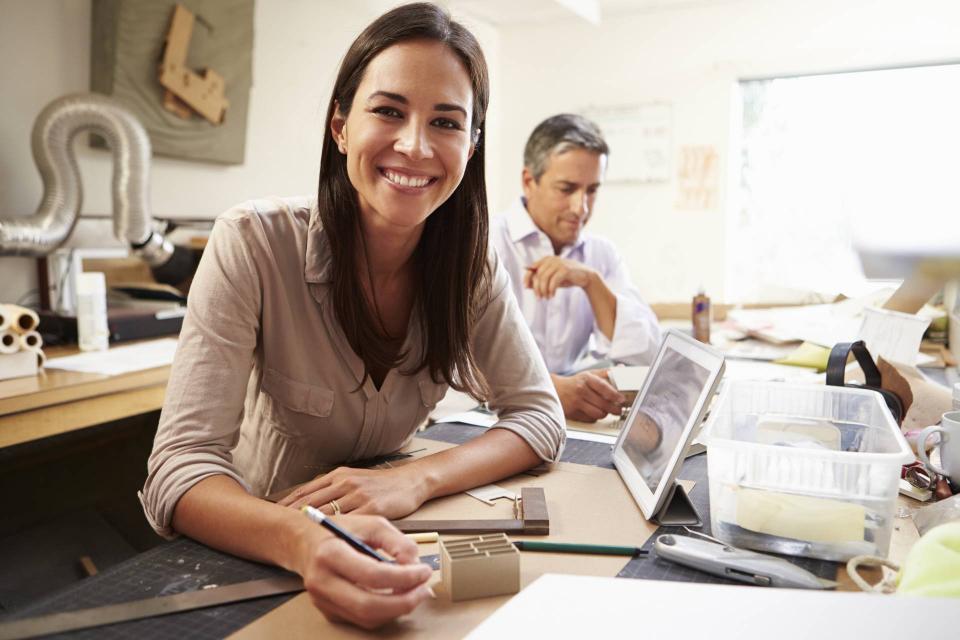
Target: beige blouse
{"x":264,"y":386}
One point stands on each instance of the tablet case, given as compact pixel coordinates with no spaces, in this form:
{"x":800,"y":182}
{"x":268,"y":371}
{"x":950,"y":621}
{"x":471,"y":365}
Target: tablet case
{"x":677,"y":510}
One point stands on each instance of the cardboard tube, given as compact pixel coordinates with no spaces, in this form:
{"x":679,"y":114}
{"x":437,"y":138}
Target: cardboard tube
{"x":9,"y":342}
{"x":23,"y":319}
{"x":31,"y":340}
{"x":5,"y":315}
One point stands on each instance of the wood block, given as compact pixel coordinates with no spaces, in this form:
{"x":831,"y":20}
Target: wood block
{"x":536,"y":521}
{"x":480,"y":566}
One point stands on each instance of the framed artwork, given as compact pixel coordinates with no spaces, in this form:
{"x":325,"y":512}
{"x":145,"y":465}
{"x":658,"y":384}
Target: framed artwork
{"x":200,"y":111}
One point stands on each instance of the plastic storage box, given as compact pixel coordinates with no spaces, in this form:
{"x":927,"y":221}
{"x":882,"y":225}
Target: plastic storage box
{"x":803,"y":470}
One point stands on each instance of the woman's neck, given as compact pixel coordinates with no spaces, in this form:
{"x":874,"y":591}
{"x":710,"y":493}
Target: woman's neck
{"x":389,"y":248}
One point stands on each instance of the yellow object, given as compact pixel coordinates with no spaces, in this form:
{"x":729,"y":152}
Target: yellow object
{"x":808,"y":355}
{"x":799,"y":517}
{"x":419,"y":538}
{"x":932,"y":567}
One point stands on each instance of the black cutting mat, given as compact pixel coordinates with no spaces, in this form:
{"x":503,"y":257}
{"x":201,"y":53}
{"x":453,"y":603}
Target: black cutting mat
{"x":174,"y":567}
{"x":596,"y":454}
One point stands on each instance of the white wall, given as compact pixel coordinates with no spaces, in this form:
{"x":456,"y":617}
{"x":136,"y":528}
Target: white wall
{"x":298,"y":45}
{"x":692,"y":57}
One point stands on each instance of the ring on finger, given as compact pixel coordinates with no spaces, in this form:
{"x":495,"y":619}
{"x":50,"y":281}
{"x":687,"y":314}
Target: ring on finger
{"x":336,"y":507}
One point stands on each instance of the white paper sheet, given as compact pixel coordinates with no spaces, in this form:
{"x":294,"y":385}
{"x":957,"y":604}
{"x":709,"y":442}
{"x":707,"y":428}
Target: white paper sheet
{"x":565,"y":606}
{"x":823,"y":324}
{"x":628,"y":378}
{"x":894,"y":335}
{"x":117,"y":360}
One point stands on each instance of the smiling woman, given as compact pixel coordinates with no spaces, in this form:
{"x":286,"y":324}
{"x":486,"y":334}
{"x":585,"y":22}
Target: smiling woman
{"x":321,"y":333}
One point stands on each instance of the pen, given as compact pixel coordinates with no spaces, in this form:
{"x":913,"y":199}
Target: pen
{"x":571,"y":547}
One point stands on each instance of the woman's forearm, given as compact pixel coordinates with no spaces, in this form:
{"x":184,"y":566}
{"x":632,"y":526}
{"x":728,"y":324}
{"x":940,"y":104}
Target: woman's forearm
{"x":495,"y":455}
{"x":220,"y":513}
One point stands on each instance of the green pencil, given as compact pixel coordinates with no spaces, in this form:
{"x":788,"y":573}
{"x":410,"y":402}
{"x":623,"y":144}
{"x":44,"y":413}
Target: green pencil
{"x":572,"y":547}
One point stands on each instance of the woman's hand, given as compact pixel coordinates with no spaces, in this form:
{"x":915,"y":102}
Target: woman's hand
{"x":391,"y":493}
{"x":346,"y":585}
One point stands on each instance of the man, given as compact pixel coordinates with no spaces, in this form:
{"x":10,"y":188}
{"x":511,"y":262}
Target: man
{"x":572,"y":287}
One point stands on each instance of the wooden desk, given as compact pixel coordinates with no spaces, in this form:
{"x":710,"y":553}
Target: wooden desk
{"x":57,"y":401}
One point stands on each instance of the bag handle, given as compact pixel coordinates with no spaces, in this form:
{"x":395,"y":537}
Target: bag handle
{"x":837,"y":364}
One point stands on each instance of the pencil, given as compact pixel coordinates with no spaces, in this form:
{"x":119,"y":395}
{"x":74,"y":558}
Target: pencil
{"x":570,"y":547}
{"x":321,"y":518}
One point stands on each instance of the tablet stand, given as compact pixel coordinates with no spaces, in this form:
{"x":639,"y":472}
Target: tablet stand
{"x":677,"y":509}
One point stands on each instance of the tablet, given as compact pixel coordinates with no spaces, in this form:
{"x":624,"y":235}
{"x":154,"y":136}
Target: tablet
{"x":662,"y":420}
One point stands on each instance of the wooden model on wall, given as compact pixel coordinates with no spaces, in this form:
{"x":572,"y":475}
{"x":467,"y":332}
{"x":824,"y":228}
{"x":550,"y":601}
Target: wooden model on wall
{"x":190,"y":114}
{"x":186,"y":89}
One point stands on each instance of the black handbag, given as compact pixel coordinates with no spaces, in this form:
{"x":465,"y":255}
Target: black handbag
{"x":837,"y":366}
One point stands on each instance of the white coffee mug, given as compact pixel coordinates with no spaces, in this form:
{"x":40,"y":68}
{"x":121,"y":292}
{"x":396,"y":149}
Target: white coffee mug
{"x":949,"y":430}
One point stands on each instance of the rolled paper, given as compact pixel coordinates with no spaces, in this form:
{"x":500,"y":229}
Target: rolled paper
{"x":31,"y":340}
{"x":23,"y":319}
{"x":6,"y":316}
{"x":9,"y":342}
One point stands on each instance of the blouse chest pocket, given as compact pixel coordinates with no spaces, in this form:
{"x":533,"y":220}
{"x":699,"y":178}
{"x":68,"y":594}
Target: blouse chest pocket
{"x":296,"y":405}
{"x":430,"y":394}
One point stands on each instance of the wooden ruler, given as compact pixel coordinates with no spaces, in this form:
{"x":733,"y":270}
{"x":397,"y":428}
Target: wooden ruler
{"x":148,"y":607}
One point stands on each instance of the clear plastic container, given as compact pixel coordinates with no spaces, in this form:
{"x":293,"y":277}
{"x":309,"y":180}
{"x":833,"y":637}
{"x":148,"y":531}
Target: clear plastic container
{"x":803,"y":470}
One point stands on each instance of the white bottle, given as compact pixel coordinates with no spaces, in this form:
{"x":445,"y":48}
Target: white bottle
{"x":92,"y":331}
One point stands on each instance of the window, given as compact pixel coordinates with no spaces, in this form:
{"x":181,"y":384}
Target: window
{"x":830,"y":159}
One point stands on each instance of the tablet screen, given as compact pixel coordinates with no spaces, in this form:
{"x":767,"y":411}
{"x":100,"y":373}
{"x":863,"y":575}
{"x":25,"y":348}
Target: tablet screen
{"x":663,"y":414}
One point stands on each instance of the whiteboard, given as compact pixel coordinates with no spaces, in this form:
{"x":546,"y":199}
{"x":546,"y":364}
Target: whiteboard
{"x":640,"y":138}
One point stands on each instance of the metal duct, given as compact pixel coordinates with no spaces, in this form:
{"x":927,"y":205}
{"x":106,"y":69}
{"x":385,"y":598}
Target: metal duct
{"x":53,"y":133}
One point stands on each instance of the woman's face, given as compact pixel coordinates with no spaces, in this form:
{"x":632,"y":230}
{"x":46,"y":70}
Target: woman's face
{"x":407,"y":137}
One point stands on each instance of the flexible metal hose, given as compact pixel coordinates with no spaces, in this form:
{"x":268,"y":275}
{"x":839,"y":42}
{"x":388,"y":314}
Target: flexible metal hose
{"x":53,"y":133}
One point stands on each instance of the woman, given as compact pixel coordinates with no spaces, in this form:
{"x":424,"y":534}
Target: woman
{"x":320,"y":334}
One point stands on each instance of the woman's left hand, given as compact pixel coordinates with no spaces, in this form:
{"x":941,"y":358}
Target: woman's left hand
{"x":391,"y":493}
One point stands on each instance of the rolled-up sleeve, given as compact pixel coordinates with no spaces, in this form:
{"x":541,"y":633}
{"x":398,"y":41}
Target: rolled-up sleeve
{"x":522,"y":393}
{"x":636,"y":332}
{"x":203,"y":407}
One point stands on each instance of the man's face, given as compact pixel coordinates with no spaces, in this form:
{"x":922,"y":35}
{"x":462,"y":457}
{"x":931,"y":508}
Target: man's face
{"x":561,"y":201}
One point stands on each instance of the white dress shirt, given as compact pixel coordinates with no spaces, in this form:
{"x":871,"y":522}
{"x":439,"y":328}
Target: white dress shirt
{"x":564,"y":326}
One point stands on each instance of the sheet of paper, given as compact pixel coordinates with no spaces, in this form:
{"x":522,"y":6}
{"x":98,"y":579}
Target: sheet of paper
{"x":809,"y":355}
{"x":768,"y":371}
{"x":490,"y":492}
{"x":628,"y":378}
{"x":565,"y":606}
{"x":823,"y":324}
{"x":117,"y":360}
{"x":894,"y":335}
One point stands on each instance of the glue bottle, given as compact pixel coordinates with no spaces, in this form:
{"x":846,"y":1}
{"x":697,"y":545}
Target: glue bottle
{"x":701,"y":317}
{"x":92,"y":331}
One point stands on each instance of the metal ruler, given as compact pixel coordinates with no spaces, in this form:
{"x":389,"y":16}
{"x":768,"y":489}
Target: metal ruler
{"x":148,"y":607}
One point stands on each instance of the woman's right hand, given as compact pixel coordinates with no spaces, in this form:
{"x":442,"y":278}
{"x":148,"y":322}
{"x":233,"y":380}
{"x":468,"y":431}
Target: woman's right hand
{"x":346,"y":585}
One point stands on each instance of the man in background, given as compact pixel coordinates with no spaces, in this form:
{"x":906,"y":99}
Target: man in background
{"x":572,"y":287}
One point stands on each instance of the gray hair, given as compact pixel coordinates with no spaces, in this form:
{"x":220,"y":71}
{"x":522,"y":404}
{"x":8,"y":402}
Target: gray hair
{"x":561,"y":133}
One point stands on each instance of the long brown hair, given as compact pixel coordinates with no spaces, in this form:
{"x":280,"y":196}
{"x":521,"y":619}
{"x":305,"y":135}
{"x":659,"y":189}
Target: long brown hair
{"x":451,"y":258}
